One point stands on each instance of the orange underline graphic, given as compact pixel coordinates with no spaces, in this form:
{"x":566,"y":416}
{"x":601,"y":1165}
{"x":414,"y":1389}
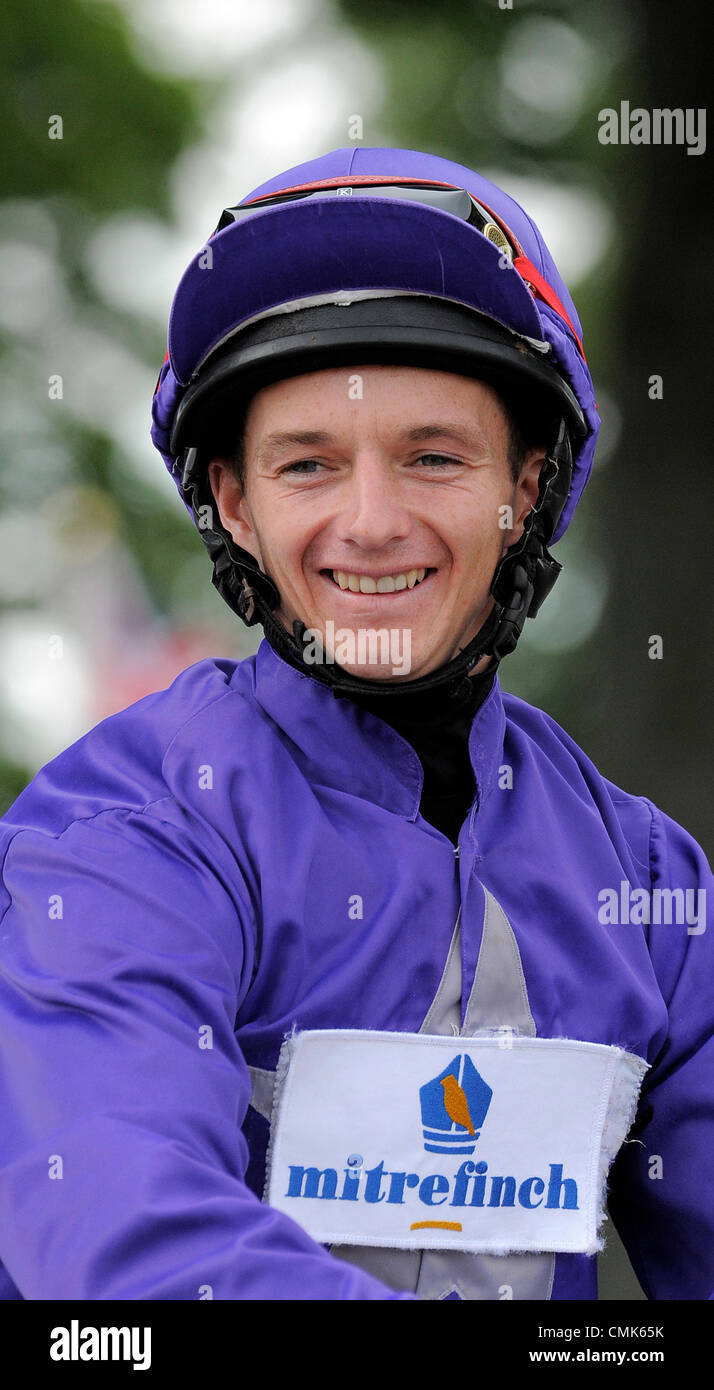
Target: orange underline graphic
{"x":435,"y":1225}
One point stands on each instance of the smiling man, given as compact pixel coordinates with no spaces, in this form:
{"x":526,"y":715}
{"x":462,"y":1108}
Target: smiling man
{"x":371,"y":530}
{"x":321,"y":942}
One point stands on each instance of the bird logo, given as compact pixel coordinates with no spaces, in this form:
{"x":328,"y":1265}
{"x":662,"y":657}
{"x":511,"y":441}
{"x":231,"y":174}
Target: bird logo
{"x":455,"y":1103}
{"x":453,"y":1107}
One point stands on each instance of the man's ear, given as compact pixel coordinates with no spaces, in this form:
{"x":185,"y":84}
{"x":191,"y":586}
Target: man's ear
{"x":233,"y":508}
{"x":526,"y":489}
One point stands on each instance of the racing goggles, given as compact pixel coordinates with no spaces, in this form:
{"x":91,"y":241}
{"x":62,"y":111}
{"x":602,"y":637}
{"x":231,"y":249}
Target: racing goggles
{"x":437,"y":195}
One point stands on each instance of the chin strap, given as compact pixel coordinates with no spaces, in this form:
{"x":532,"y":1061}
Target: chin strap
{"x":523,"y":579}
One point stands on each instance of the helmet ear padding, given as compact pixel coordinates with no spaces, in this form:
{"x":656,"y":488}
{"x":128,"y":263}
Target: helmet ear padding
{"x":237,"y":576}
{"x":527,"y":572}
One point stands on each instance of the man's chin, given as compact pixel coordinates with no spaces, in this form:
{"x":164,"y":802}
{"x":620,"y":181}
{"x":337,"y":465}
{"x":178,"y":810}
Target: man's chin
{"x":381,"y":655}
{"x":394,"y":667}
{"x":378,"y":675}
{"x":393,"y":663}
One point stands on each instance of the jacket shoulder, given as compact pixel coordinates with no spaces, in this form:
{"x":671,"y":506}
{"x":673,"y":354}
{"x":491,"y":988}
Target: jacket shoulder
{"x":123,"y":761}
{"x":547,"y":743}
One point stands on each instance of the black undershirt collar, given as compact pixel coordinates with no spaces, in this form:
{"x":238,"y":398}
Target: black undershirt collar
{"x":437,"y":724}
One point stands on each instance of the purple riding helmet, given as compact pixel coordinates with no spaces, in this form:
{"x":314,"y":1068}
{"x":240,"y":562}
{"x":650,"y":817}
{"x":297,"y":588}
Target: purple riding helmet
{"x":384,"y":256}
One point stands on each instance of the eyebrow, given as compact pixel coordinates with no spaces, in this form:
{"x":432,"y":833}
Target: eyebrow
{"x":274,"y":442}
{"x":438,"y":429}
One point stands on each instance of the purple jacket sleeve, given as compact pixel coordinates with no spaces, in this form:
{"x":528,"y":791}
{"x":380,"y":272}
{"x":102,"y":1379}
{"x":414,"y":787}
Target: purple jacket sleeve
{"x":122,"y":1086}
{"x":662,"y":1184}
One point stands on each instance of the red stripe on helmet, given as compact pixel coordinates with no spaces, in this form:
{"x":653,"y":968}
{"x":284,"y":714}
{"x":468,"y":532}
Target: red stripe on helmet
{"x":533,"y":277}
{"x":163,"y":364}
{"x":345,"y":181}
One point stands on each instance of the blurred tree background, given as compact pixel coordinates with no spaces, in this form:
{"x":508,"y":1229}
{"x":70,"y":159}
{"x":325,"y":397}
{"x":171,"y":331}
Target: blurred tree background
{"x":168,"y":112}
{"x":171,"y":110}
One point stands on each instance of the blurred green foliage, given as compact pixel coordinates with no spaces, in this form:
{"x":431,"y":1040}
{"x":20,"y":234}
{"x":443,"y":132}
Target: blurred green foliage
{"x":122,"y":125}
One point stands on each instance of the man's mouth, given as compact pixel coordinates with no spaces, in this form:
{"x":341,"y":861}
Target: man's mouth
{"x":374,"y":584}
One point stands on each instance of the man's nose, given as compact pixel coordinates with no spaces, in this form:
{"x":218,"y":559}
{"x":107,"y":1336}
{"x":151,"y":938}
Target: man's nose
{"x":373,"y":511}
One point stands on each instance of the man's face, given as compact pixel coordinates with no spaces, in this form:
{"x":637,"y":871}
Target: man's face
{"x":355,"y":479}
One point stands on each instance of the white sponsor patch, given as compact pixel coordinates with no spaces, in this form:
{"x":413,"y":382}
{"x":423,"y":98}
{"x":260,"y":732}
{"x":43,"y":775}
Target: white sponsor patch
{"x":420,"y":1142}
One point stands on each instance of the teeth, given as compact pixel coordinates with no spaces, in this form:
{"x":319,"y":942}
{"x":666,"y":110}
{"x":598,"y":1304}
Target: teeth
{"x":365,"y":584}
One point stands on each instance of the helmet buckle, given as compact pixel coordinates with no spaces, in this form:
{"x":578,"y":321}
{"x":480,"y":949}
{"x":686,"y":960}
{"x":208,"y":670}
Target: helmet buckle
{"x":246,"y":602}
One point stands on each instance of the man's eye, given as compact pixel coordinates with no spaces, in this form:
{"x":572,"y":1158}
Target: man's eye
{"x":302,"y":467}
{"x":436,"y":459}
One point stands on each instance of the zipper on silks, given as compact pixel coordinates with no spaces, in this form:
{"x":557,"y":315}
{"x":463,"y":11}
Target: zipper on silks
{"x":456,"y":1028}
